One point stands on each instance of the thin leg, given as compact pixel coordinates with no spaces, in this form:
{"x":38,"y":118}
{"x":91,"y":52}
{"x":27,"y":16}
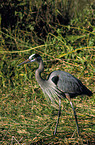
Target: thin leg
{"x":75,"y":116}
{"x":68,"y":97}
{"x":59,"y":113}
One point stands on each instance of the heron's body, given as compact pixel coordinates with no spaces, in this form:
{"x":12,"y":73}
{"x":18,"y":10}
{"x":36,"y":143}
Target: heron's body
{"x":72,"y":85}
{"x":59,"y":85}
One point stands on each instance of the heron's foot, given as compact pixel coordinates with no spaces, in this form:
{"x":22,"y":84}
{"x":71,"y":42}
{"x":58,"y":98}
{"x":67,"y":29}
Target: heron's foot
{"x":55,"y":131}
{"x":78,"y":134}
{"x":75,"y":132}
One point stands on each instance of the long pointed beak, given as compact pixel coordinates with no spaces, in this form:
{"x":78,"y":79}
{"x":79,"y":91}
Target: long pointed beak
{"x":26,"y":61}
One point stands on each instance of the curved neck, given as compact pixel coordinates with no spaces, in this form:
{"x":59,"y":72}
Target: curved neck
{"x":39,"y":71}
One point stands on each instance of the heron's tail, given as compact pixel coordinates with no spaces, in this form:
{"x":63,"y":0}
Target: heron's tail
{"x":87,"y":92}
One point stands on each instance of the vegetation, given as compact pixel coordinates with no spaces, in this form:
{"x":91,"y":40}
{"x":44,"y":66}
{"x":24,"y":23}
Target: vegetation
{"x":63,"y":33}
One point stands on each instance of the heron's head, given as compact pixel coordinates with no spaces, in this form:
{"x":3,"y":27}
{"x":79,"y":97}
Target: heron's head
{"x":32,"y":58}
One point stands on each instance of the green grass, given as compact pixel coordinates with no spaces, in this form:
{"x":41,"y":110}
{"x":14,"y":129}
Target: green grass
{"x":25,"y":115}
{"x":33,"y":119}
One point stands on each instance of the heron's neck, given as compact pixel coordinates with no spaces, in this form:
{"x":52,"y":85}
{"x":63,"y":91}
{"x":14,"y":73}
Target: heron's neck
{"x":39,"y":71}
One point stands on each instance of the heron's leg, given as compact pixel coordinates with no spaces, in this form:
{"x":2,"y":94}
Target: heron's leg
{"x":68,"y":97}
{"x":59,"y":113}
{"x":75,"y":116}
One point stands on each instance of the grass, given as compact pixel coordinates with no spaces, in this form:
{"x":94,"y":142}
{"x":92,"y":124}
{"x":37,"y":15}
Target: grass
{"x":26,"y":117}
{"x":33,"y":120}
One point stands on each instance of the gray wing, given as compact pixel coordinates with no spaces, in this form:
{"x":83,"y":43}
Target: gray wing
{"x":67,"y":83}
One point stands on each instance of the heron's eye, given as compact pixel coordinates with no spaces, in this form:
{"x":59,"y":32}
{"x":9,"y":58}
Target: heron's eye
{"x":38,"y":58}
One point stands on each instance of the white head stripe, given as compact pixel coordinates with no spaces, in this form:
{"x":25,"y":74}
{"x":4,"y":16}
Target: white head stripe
{"x":31,"y":56}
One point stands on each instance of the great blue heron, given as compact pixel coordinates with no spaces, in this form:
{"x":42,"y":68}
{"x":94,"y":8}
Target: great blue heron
{"x":59,"y":85}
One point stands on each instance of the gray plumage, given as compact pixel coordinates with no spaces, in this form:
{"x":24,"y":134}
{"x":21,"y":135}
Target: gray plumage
{"x":59,"y":85}
{"x":69,"y":84}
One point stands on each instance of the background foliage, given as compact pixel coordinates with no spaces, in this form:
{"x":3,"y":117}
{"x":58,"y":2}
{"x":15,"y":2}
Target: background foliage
{"x":63,"y":33}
